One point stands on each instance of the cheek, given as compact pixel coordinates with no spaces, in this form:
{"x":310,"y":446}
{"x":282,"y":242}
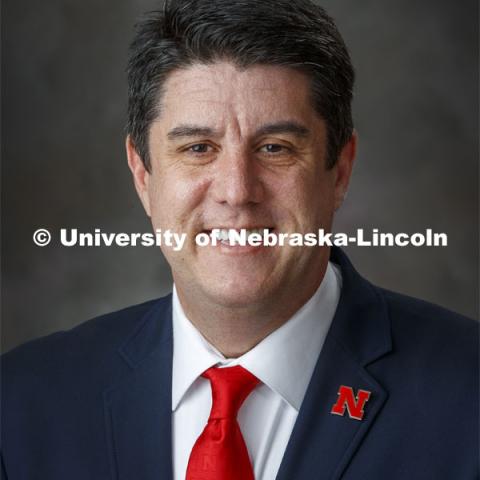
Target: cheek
{"x":173,"y":199}
{"x":305,"y":198}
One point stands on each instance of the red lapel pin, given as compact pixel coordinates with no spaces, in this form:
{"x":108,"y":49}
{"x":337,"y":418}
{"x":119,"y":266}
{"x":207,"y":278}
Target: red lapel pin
{"x":348,"y":401}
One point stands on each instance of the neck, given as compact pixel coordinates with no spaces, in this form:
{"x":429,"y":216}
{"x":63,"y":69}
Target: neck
{"x":236,"y":330}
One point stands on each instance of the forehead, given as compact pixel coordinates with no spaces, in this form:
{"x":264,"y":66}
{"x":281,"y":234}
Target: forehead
{"x":216,"y":92}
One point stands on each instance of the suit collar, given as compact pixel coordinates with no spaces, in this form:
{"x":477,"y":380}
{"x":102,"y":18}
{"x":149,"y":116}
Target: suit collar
{"x":138,"y":409}
{"x":359,"y":335}
{"x":361,"y":323}
{"x":153,"y":333}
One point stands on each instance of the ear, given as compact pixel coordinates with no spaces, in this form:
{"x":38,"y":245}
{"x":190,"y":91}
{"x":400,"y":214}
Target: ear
{"x":343,"y":169}
{"x":141,"y":176}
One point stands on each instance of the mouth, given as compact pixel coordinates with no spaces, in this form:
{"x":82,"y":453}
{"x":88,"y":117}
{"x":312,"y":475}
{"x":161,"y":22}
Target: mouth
{"x":239,"y":237}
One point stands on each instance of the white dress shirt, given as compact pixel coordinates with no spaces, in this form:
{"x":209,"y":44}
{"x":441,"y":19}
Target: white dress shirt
{"x":283,"y":362}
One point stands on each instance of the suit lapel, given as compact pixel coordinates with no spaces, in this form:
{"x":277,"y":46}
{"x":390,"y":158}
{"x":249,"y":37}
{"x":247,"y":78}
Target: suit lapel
{"x":138,"y":409}
{"x":322,"y":444}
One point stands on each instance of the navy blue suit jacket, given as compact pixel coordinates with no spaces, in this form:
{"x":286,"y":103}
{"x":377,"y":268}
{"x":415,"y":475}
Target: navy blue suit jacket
{"x":94,"y":403}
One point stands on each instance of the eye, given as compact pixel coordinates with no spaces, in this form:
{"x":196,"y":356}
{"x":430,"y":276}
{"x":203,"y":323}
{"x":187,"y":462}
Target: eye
{"x":199,"y":148}
{"x":274,"y":148}
{"x":201,"y":153}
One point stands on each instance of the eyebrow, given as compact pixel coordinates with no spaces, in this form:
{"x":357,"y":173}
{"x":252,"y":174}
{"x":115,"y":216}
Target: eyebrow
{"x":292,"y":127}
{"x":287,"y":126}
{"x":190,"y":131}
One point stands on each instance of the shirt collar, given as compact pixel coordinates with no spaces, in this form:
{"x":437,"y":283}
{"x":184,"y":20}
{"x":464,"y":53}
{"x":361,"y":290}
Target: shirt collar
{"x":284,"y":360}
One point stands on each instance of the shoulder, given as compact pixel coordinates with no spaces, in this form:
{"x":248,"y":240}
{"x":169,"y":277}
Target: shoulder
{"x":416,"y":316}
{"x":92,"y":345}
{"x":431,"y":338}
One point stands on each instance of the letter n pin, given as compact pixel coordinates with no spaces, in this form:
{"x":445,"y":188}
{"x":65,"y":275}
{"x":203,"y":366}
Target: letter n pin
{"x":348,"y":401}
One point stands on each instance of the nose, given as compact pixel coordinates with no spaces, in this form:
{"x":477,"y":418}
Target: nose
{"x":237,"y":181}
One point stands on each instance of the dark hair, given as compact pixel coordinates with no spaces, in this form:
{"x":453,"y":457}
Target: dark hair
{"x":291,"y":33}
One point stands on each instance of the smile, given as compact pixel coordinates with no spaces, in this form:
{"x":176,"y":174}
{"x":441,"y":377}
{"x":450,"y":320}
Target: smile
{"x":238,"y":236}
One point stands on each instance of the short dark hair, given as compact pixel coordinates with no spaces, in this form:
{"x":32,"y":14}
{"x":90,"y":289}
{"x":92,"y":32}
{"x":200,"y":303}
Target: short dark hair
{"x":292,"y":33}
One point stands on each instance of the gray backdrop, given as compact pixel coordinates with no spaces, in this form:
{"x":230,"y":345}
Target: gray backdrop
{"x":63,"y":105}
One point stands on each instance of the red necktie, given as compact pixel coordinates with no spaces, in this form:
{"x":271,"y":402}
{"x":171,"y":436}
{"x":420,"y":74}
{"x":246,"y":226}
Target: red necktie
{"x":220,"y":452}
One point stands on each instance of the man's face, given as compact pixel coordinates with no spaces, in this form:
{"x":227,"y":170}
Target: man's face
{"x":240,"y":149}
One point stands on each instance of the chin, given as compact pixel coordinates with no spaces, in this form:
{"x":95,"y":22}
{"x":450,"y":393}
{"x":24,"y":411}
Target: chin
{"x":237,"y":295}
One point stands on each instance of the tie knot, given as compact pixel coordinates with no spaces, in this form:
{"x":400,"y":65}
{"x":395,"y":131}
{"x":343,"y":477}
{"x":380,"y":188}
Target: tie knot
{"x":230,"y":387}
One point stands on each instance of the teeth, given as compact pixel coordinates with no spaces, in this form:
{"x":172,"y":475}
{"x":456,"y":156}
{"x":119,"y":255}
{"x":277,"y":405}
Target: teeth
{"x":230,"y":236}
{"x":223,"y":235}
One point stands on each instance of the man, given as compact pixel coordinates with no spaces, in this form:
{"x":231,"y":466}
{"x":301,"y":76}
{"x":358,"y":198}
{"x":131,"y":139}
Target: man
{"x":265,"y":362}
